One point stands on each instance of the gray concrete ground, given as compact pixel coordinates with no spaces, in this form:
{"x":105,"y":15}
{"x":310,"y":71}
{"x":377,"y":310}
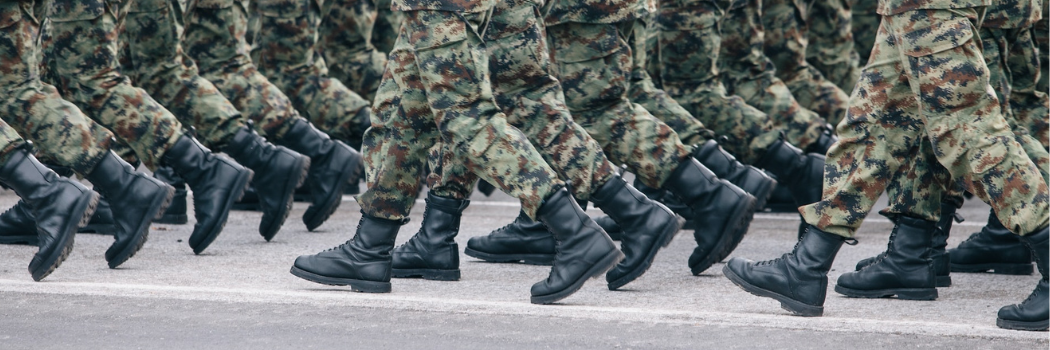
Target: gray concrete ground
{"x":239,"y":294}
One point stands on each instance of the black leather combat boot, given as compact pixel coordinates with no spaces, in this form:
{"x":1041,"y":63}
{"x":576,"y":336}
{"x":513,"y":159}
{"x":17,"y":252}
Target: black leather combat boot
{"x":801,"y":173}
{"x":363,"y":262}
{"x":938,"y":244}
{"x":135,"y":200}
{"x":752,"y":180}
{"x":333,"y":165}
{"x":798,"y":280}
{"x":523,"y":240}
{"x":723,"y":212}
{"x":60,"y":204}
{"x":1033,"y":313}
{"x":581,"y":251}
{"x":905,"y":270}
{"x":433,"y":253}
{"x":17,"y":225}
{"x":278,"y":172}
{"x":216,"y":182}
{"x":176,"y":212}
{"x":994,"y":249}
{"x":647,"y":227}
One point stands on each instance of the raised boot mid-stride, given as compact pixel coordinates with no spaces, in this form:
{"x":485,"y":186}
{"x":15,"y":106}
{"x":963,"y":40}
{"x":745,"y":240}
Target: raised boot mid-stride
{"x":798,"y":280}
{"x":1032,"y":314}
{"x":363,"y":262}
{"x":433,"y":253}
{"x":524,"y":240}
{"x":278,"y":172}
{"x":752,"y":180}
{"x":582,"y":249}
{"x":333,"y":166}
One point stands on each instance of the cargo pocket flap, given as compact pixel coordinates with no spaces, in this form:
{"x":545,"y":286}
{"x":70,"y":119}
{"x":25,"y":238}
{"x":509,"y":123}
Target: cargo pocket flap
{"x":937,"y":37}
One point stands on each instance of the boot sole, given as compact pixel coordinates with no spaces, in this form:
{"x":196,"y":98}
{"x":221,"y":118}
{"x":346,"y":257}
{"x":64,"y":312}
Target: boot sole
{"x":427,"y":274}
{"x":601,"y":267}
{"x":315,"y":218}
{"x":55,"y":259}
{"x":157,"y":208}
{"x":27,"y":240}
{"x":355,"y":285}
{"x":794,"y":306}
{"x":738,"y":226}
{"x":995,"y":268}
{"x":665,"y":239}
{"x":1041,"y":325}
{"x":528,"y":259}
{"x":944,"y":281}
{"x":239,"y":187}
{"x":901,"y":293}
{"x":269,"y":231}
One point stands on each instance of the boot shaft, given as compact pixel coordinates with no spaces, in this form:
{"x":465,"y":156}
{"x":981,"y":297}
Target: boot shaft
{"x":912,"y":241}
{"x":374,"y":238}
{"x":441,"y":220}
{"x":111,"y":175}
{"x":1037,"y":242}
{"x":573,"y":230}
{"x":815,"y":252}
{"x":26,"y":176}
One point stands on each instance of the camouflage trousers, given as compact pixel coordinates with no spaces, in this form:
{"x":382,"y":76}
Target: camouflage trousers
{"x":285,"y":52}
{"x":81,"y":57}
{"x":152,"y":56}
{"x":908,"y":91}
{"x":830,"y":49}
{"x":786,"y":24}
{"x":1041,"y":35}
{"x":749,"y":73}
{"x":62,"y":134}
{"x":865,"y":25}
{"x":688,"y":42}
{"x":437,"y":86}
{"x":594,"y":64}
{"x":346,"y":33}
{"x":1019,"y":59}
{"x":532,"y":100}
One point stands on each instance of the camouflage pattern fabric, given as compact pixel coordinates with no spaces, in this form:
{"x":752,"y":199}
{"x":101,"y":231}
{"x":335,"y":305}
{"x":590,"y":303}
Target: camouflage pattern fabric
{"x":1041,"y":35}
{"x":533,"y":102}
{"x":214,"y":37}
{"x":893,"y":7}
{"x":864,"y":27}
{"x":388,"y":23}
{"x":907,"y":92}
{"x":346,"y":34}
{"x":285,"y":51}
{"x":153,"y":57}
{"x":80,"y":52}
{"x":33,"y":108}
{"x":688,"y":42}
{"x":594,"y":63}
{"x":830,"y":48}
{"x":437,"y":85}
{"x":786,"y":24}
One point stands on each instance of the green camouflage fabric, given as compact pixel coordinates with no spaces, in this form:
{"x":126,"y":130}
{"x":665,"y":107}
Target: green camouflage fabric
{"x":153,"y":57}
{"x":688,"y":42}
{"x":214,"y":37}
{"x":33,"y":108}
{"x":346,"y":34}
{"x":285,"y":52}
{"x":533,"y":102}
{"x":830,"y":48}
{"x":388,"y":23}
{"x":594,"y":64}
{"x":437,"y":86}
{"x":865,"y":25}
{"x":747,"y":72}
{"x":459,"y":6}
{"x":893,"y":7}
{"x":81,"y":57}
{"x":908,"y":91}
{"x":786,"y":24}
{"x":1041,"y":35}
{"x":644,"y":92}
{"x":594,"y":11}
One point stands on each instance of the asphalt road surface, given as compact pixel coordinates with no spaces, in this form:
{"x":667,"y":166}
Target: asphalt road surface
{"x":239,"y":295}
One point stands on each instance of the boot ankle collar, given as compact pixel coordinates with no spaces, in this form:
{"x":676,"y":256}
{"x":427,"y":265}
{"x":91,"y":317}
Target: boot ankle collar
{"x":445,"y":204}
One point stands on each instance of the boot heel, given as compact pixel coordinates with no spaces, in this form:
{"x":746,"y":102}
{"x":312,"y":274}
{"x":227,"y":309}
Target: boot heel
{"x":1012,"y":269}
{"x":917,"y":294}
{"x":427,"y":274}
{"x":369,"y":287}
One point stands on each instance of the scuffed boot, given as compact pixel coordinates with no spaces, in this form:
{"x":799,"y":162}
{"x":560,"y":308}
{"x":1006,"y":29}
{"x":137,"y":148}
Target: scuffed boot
{"x":994,"y":249}
{"x":216,"y":182}
{"x":523,"y":240}
{"x":581,"y":251}
{"x":333,"y":165}
{"x":723,"y":212}
{"x":135,"y":200}
{"x":647,"y":227}
{"x":176,"y":212}
{"x":278,"y":172}
{"x":17,"y":225}
{"x":363,"y":262}
{"x":905,"y":270}
{"x":1032,"y":314}
{"x":433,"y":253}
{"x":752,"y":180}
{"x":937,"y":248}
{"x":798,"y":280}
{"x":60,"y":204}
